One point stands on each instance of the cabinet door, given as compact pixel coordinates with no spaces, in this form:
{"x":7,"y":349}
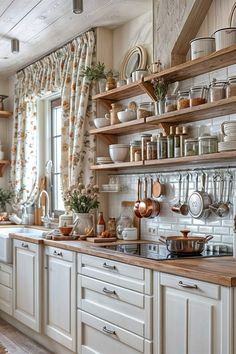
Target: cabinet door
{"x":26,"y":289}
{"x":60,"y":309}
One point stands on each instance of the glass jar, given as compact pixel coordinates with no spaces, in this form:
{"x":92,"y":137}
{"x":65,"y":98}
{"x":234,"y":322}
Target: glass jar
{"x":111,"y":226}
{"x":208,"y":144}
{"x":198,"y":95}
{"x":122,"y":222}
{"x":217,"y":90}
{"x":190,"y":147}
{"x":231,"y":87}
{"x":162,"y":147}
{"x":170,"y":103}
{"x":135,"y":146}
{"x":145,"y":138}
{"x":145,"y":109}
{"x":182,"y":99}
{"x":151,"y":150}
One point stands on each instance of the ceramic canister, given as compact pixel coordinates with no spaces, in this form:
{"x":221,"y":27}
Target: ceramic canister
{"x":130,"y":233}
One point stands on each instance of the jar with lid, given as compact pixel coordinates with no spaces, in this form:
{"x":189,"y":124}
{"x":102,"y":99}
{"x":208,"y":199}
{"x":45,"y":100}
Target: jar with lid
{"x":162,"y":147}
{"x":151,"y":150}
{"x":122,"y":222}
{"x":135,"y":150}
{"x":217,"y":90}
{"x":182,"y":99}
{"x":208,"y":144}
{"x":145,"y":138}
{"x":145,"y":109}
{"x":198,"y":95}
{"x":191,"y":147}
{"x":111,"y":226}
{"x":170,"y":103}
{"x":231,"y":87}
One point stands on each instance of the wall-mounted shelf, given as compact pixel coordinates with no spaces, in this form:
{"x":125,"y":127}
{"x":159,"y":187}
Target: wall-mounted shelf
{"x":5,"y":114}
{"x":226,"y":156}
{"x":3,"y":165}
{"x":133,"y":126}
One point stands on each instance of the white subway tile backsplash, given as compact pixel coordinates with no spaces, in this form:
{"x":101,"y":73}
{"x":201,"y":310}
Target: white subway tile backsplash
{"x":207,"y":229}
{"x":221,"y":230}
{"x":227,"y":239}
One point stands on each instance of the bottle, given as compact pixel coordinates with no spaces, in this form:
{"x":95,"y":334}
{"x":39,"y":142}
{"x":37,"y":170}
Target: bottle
{"x":101,"y":226}
{"x":111,"y":226}
{"x":170,"y":142}
{"x":177,"y":142}
{"x":183,"y":136}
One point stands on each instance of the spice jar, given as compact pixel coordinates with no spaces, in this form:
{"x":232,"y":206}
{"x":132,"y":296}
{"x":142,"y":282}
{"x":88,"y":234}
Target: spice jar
{"x":162,"y":147}
{"x":190,"y":147}
{"x":145,"y":138}
{"x":151,"y":150}
{"x":208,"y":144}
{"x":111,"y":226}
{"x":135,"y":146}
{"x":198,"y":95}
{"x":170,"y":103}
{"x":145,"y":109}
{"x":231,"y":87}
{"x":217,"y":90}
{"x":182,"y":99}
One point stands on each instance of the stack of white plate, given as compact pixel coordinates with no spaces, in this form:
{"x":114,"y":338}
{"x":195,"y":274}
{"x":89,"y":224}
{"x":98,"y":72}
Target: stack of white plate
{"x":229,"y":133}
{"x":104,"y":160}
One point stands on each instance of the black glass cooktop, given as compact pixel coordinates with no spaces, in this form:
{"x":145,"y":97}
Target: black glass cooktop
{"x":159,"y":252}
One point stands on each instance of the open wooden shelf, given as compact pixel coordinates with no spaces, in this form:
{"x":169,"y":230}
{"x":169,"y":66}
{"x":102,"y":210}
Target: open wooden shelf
{"x":225,"y":156}
{"x":5,"y":114}
{"x":3,"y":165}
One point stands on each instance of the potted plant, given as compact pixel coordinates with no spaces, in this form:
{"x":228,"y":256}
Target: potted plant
{"x":160,"y":88}
{"x":96,"y":72}
{"x":5,"y":198}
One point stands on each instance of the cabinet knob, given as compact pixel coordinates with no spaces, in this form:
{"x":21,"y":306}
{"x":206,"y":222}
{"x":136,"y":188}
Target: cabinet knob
{"x":24,"y":245}
{"x":58,"y":253}
{"x":189,"y":286}
{"x":107,"y":266}
{"x":110,"y":292}
{"x":108,"y":331}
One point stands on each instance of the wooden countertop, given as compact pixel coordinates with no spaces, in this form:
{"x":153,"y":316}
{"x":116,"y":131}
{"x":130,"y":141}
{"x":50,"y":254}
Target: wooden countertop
{"x":217,"y":270}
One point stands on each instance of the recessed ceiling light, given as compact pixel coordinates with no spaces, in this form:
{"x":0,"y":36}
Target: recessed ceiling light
{"x":3,"y":58}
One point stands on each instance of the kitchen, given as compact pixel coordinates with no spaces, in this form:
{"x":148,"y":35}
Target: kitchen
{"x":123,"y":296}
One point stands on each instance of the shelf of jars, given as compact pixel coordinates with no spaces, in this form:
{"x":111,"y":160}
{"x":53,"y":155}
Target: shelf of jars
{"x":3,"y":165}
{"x":191,"y":68}
{"x":226,"y":156}
{"x":5,"y":114}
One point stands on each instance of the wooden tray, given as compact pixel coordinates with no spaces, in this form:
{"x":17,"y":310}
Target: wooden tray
{"x":101,"y":239}
{"x":65,"y":238}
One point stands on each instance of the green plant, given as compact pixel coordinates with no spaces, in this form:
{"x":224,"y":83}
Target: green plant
{"x":81,"y":198}
{"x":5,"y":197}
{"x":160,"y":88}
{"x":95,"y":72}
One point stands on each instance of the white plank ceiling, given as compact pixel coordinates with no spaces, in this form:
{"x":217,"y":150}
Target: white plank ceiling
{"x":43,"y":25}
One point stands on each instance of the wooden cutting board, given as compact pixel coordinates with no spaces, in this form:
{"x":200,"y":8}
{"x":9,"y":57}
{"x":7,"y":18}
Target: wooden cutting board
{"x":101,"y":239}
{"x":65,"y":238}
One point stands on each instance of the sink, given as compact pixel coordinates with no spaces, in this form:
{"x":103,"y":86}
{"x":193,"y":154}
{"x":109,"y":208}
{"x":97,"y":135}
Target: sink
{"x":6,"y":242}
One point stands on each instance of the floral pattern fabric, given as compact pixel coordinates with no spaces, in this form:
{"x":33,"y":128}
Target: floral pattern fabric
{"x":61,"y":70}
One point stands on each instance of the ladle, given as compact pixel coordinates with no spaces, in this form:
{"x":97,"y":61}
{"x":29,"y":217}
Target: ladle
{"x":184,"y":208}
{"x":223,"y":208}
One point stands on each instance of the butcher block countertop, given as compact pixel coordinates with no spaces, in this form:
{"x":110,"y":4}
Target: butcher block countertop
{"x":217,"y":270}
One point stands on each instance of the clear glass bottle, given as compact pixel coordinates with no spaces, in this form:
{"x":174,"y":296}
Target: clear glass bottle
{"x":198,"y":95}
{"x":151,"y":150}
{"x":178,"y":132}
{"x":191,"y":147}
{"x":170,"y":103}
{"x":231,"y":87}
{"x":145,"y":138}
{"x":170,"y":142}
{"x":182,"y":99}
{"x":217,"y":90}
{"x":208,"y":144}
{"x":122,"y":222}
{"x":162,"y":147}
{"x":135,"y":146}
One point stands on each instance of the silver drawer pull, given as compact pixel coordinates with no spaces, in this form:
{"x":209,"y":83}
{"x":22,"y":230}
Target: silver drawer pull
{"x":107,"y":266}
{"x":108,"y":331}
{"x":189,"y":286}
{"x":24,"y":245}
{"x":58,"y":253}
{"x":110,"y":292}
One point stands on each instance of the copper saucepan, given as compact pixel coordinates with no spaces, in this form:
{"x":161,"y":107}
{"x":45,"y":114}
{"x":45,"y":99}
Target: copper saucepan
{"x":148,"y":207}
{"x":137,"y":203}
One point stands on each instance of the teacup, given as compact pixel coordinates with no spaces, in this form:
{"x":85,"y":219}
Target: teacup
{"x":130,"y":233}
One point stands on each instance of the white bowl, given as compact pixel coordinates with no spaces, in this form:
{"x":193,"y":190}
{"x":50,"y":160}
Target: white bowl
{"x":101,"y":122}
{"x":127,"y":115}
{"x":118,"y":152}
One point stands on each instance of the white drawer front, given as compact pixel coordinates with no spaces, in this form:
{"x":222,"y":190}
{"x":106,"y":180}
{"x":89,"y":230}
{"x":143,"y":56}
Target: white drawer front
{"x":191,"y":285}
{"x":6,"y":276}
{"x":60,"y":253}
{"x":101,"y":337}
{"x":128,"y":309}
{"x":25,"y":245}
{"x":6,"y":299}
{"x":125,"y":275}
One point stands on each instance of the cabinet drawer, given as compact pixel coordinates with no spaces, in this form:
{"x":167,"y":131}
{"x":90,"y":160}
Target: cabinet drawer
{"x":101,"y":337}
{"x":25,"y":245}
{"x":6,"y":275}
{"x":191,"y":286}
{"x":123,"y":307}
{"x":124,"y":275}
{"x":6,"y":299}
{"x":60,"y":253}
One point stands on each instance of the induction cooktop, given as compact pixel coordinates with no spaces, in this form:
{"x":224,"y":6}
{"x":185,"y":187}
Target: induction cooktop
{"x":159,"y":252}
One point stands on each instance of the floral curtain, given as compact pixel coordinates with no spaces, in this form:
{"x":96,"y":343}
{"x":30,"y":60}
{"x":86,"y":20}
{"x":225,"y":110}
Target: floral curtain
{"x":61,"y":70}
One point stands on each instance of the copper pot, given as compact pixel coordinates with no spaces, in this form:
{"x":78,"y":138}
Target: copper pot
{"x":148,"y":207}
{"x":137,"y":203}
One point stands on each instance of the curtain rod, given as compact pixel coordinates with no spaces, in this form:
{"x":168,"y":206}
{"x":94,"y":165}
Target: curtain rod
{"x":55,"y":49}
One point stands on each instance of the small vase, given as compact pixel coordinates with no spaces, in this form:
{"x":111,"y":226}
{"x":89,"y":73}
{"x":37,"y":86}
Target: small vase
{"x":84,"y":224}
{"x":110,"y":83}
{"x":161,"y":107}
{"x":102,"y":85}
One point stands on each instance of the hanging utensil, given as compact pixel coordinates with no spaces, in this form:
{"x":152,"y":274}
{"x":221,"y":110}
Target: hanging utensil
{"x":158,"y":189}
{"x":223,"y":208}
{"x":148,"y":207}
{"x":184,"y":208}
{"x":215,"y":204}
{"x":176,"y":208}
{"x":136,"y":204}
{"x":199,"y":201}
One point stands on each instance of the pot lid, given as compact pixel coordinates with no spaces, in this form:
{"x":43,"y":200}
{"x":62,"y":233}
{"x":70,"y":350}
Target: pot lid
{"x":184,"y":237}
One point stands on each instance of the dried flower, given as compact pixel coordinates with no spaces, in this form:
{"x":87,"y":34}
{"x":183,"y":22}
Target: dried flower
{"x":81,"y":198}
{"x":160,"y":88}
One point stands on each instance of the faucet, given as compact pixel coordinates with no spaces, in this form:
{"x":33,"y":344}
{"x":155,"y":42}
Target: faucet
{"x":46,"y":219}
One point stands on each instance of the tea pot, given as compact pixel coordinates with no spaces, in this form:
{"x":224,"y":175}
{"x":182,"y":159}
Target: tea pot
{"x":154,"y":68}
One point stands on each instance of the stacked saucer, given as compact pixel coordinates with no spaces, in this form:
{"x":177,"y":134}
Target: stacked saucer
{"x":104,"y":160}
{"x":229,"y":135}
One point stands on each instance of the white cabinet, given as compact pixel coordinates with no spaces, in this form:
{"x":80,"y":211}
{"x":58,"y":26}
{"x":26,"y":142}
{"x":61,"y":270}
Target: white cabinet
{"x":191,"y":316}
{"x":27,"y":283}
{"x":60,"y":296}
{"x":6,"y":288}
{"x":114,"y":303}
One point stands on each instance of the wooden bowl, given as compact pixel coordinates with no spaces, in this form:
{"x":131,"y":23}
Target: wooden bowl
{"x":66,"y":230}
